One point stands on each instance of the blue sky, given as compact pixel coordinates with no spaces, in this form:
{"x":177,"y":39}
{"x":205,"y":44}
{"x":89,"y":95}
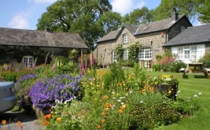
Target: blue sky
{"x":24,"y":14}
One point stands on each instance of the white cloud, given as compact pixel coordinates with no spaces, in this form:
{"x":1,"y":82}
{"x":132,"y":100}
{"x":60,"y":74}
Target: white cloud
{"x":21,"y":19}
{"x":126,"y":6}
{"x":44,"y":1}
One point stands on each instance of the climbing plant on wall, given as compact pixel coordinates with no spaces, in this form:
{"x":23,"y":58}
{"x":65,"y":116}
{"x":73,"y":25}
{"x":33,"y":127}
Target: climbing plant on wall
{"x":133,"y":51}
{"x":119,"y":52}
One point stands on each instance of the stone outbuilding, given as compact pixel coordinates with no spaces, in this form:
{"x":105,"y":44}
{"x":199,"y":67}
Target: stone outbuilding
{"x":26,"y":45}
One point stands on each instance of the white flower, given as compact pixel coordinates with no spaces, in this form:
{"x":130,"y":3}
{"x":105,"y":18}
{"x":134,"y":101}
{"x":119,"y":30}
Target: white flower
{"x":195,"y":96}
{"x":119,"y":100}
{"x":113,"y":92}
{"x":178,"y":91}
{"x":122,"y":103}
{"x":141,"y":101}
{"x":199,"y":93}
{"x":57,"y":101}
{"x":130,"y":91}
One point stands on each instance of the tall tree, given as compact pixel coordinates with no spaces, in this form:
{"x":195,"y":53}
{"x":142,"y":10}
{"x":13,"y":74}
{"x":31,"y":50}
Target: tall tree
{"x":78,"y":16}
{"x":204,"y":10}
{"x":138,"y":16}
{"x":187,"y":7}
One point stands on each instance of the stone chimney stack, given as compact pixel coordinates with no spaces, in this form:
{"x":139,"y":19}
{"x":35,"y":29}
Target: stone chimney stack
{"x":174,"y":14}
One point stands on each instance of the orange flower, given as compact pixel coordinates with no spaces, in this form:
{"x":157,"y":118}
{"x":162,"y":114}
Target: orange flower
{"x":18,"y":123}
{"x":152,"y":89}
{"x":103,"y":120}
{"x":108,"y":105}
{"x":103,"y":114}
{"x":46,"y":123}
{"x":106,"y":109}
{"x":3,"y":122}
{"x":122,"y":107}
{"x":3,"y":129}
{"x":105,"y":97}
{"x":98,"y":127}
{"x":120,"y":111}
{"x":59,"y":119}
{"x":83,"y":112}
{"x":49,"y":116}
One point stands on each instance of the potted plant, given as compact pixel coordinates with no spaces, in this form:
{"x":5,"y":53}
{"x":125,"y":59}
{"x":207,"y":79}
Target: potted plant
{"x":166,"y":84}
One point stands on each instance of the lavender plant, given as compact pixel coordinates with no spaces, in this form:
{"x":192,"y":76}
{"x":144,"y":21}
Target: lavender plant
{"x":45,"y":92}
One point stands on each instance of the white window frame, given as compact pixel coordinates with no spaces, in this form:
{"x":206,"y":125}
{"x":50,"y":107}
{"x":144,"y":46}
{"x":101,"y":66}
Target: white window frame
{"x":125,"y":54}
{"x":125,"y":38}
{"x":186,"y":52}
{"x":114,"y":56}
{"x":28,"y":61}
{"x":145,"y":54}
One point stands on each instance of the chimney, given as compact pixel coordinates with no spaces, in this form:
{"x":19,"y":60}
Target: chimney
{"x":174,"y":14}
{"x":48,"y":29}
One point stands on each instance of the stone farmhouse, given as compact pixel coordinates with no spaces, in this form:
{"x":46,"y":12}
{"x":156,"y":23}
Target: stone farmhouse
{"x":151,"y":36}
{"x":191,"y":44}
{"x":25,"y":45}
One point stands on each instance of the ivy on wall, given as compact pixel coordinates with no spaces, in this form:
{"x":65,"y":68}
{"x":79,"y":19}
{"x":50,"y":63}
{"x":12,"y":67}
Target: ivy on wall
{"x":119,"y":52}
{"x":133,"y":51}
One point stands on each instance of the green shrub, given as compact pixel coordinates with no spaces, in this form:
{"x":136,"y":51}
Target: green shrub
{"x":114,"y":76}
{"x":206,"y":60}
{"x":156,"y":67}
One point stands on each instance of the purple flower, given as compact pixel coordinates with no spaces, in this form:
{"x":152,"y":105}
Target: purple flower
{"x":60,"y":87}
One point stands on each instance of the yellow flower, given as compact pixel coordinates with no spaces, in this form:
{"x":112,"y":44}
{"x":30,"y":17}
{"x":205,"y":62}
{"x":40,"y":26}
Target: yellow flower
{"x":3,"y":122}
{"x":169,"y":91}
{"x":59,"y":119}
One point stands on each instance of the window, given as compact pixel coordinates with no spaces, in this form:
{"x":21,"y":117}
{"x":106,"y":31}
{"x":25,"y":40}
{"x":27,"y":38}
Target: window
{"x":145,"y":54}
{"x":193,"y":52}
{"x":28,"y":61}
{"x":180,"y":54}
{"x":125,"y":54}
{"x":186,"y":52}
{"x":182,"y":28}
{"x":125,"y":38}
{"x":114,"y":56}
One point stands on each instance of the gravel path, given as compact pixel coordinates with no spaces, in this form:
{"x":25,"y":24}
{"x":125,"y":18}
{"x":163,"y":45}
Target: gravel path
{"x":28,"y":121}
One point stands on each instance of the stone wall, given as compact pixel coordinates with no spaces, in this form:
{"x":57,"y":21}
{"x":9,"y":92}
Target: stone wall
{"x":176,"y":29}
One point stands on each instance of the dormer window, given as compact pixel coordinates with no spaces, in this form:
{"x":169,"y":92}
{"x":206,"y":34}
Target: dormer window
{"x":125,"y":38}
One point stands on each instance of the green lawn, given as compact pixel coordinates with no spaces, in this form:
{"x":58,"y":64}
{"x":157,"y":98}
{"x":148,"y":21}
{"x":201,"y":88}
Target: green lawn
{"x":189,"y":87}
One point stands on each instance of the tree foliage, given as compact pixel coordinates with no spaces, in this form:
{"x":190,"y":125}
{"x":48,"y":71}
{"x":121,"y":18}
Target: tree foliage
{"x":204,"y":10}
{"x":187,"y":7}
{"x":80,"y":16}
{"x":138,"y":16}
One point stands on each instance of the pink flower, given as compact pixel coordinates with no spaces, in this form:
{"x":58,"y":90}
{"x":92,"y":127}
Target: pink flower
{"x":91,"y":59}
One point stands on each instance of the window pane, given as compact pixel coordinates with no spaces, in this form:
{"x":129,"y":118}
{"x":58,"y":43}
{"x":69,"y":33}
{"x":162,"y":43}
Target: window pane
{"x":125,"y":38}
{"x":125,"y":54}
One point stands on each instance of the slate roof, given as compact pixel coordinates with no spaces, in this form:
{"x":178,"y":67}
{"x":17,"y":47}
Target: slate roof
{"x":9,"y":36}
{"x":156,"y":26}
{"x":192,"y":35}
